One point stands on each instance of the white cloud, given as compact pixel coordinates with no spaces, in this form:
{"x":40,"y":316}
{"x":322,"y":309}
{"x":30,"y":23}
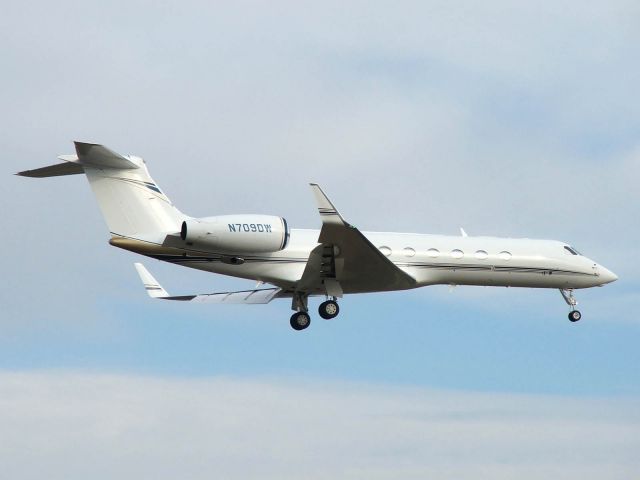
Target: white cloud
{"x":79,"y":425}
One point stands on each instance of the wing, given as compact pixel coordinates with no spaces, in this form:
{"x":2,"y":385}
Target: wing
{"x":258,"y":296}
{"x":346,"y":261}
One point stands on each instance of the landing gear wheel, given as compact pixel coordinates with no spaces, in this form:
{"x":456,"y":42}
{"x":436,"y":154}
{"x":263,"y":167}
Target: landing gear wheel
{"x":574,"y":315}
{"x":329,"y":309}
{"x":300,"y":320}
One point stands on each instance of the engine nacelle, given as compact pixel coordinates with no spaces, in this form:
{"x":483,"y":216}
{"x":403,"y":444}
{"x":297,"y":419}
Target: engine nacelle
{"x":237,"y":233}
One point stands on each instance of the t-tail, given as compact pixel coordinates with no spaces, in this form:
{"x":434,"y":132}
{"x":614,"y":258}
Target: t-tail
{"x":131,"y":202}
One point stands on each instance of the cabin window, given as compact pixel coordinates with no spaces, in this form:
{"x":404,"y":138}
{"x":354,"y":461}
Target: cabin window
{"x":571,"y":250}
{"x":457,"y":253}
{"x":385,"y":250}
{"x":409,"y":252}
{"x":433,"y":252}
{"x":482,"y":255}
{"x":504,"y":255}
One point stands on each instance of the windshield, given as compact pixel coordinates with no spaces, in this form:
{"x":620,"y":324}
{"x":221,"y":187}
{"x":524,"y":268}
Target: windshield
{"x":571,"y":250}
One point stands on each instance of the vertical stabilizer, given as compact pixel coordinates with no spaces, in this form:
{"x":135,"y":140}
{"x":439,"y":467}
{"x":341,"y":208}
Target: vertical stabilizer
{"x":130,"y":201}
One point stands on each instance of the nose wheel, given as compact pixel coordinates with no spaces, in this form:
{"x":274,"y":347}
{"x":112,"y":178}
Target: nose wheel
{"x":574,"y":315}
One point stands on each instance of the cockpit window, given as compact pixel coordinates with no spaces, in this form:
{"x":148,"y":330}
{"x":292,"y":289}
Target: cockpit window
{"x":571,"y":250}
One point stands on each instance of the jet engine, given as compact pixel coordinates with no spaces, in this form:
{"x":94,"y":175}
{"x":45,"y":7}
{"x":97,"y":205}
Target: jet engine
{"x":236,"y":233}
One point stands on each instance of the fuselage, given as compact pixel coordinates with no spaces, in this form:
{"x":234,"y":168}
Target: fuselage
{"x":338,"y":259}
{"x":430,"y":259}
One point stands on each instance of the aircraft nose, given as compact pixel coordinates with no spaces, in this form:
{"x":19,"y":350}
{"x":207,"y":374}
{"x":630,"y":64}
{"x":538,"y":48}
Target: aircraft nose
{"x":606,"y":276}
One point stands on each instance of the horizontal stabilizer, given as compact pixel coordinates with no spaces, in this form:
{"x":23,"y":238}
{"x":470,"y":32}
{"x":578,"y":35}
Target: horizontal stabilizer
{"x":247,"y":297}
{"x":56,"y":170}
{"x":101,"y":157}
{"x":87,"y":154}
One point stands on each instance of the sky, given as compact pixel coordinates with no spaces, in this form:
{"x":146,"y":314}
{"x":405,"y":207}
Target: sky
{"x":505,"y":118}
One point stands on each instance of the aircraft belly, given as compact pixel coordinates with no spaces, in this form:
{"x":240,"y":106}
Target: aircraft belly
{"x":282,"y":274}
{"x":511,"y":279}
{"x":280,"y":270}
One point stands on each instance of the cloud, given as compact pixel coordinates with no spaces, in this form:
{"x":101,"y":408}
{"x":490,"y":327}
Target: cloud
{"x":468,"y":113}
{"x":73,"y":425}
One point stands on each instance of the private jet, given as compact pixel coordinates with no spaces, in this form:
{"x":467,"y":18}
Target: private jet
{"x":296,"y":264}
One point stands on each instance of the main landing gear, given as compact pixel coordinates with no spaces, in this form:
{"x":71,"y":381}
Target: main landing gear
{"x":574,"y":315}
{"x":329,"y":309}
{"x":301,"y":318}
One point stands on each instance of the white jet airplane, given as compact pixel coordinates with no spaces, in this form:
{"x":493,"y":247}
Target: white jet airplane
{"x":337,"y":260}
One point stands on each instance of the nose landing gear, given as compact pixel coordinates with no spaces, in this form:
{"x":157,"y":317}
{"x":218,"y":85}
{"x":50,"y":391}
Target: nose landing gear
{"x":574,"y":315}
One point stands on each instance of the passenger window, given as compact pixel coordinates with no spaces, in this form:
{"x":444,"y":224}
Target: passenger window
{"x":409,"y":252}
{"x":386,"y":251}
{"x":433,"y":252}
{"x":457,"y":253}
{"x":482,"y":255}
{"x":504,"y":255}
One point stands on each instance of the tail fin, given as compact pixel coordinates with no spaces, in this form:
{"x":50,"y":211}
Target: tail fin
{"x":130,"y":201}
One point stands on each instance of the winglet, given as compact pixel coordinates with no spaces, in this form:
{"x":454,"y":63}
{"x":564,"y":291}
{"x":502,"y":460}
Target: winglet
{"x":326,"y":209}
{"x":154,"y":289}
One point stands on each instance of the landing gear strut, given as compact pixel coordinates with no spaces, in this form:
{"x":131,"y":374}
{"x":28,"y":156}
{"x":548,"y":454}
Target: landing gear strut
{"x":574,"y":315}
{"x":329,"y":309}
{"x":301,"y":319}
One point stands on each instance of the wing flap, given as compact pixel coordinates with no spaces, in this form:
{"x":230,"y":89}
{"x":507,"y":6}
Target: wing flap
{"x":244,"y":297}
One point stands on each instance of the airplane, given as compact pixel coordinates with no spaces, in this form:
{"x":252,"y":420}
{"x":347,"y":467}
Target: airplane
{"x":296,"y":264}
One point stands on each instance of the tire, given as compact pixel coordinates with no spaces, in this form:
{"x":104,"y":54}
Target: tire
{"x":329,"y":309}
{"x":574,"y":315}
{"x":300,"y":320}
